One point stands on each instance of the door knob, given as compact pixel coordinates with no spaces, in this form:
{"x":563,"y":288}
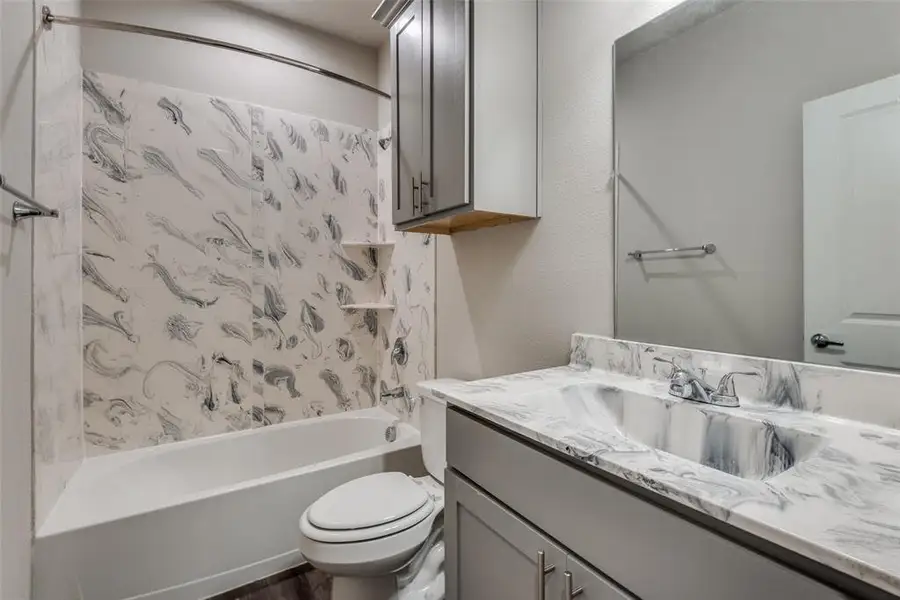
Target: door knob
{"x":820,"y":340}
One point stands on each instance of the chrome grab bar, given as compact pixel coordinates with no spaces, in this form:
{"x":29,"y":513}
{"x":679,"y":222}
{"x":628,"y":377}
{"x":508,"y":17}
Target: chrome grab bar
{"x":706,"y":248}
{"x":26,"y":207}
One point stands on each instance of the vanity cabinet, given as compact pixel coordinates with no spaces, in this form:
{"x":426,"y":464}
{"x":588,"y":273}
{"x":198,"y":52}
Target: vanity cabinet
{"x":507,"y":499}
{"x":502,"y":557}
{"x":464,"y":114}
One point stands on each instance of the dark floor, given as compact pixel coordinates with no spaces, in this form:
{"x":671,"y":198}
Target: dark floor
{"x":303,"y":583}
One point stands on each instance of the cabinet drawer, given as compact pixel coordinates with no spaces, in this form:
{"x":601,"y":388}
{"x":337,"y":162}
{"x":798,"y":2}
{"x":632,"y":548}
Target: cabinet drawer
{"x":653,"y":553}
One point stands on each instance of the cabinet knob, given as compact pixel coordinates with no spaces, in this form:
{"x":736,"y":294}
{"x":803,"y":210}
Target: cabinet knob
{"x":568,"y":584}
{"x":542,"y":571}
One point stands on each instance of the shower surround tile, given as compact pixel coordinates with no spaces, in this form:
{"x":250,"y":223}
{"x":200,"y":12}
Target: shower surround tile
{"x":214,"y":273}
{"x":167,"y":259}
{"x":57,"y":413}
{"x":406,"y":335}
{"x":315,"y":356}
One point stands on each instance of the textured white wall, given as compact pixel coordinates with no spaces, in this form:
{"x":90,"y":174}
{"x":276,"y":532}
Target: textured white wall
{"x":230,"y":74}
{"x":384,"y":83}
{"x":509,"y":298}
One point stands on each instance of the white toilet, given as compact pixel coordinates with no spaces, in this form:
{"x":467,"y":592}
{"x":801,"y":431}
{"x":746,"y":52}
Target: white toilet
{"x":365,"y":530}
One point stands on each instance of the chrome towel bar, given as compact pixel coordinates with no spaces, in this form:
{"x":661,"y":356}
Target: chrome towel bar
{"x":705,"y":248}
{"x":26,"y":207}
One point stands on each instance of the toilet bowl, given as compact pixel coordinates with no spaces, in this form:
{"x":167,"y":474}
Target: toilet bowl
{"x":364,"y":531}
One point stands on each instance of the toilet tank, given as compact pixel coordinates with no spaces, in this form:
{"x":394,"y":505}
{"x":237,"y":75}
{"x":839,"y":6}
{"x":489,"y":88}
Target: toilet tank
{"x":433,"y":426}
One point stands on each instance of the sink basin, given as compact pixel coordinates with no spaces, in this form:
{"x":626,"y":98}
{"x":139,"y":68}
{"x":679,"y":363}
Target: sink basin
{"x":720,"y":438}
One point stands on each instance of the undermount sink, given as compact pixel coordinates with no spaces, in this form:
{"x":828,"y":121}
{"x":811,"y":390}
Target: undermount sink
{"x":722,"y":439}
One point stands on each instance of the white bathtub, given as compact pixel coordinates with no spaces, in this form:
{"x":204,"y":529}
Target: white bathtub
{"x":188,"y":520}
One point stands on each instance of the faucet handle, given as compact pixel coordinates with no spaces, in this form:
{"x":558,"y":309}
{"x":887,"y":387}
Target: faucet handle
{"x":725,"y":390}
{"x":675,"y":368}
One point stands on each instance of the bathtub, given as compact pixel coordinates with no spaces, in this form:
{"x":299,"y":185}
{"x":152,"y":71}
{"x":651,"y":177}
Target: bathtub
{"x":188,"y":520}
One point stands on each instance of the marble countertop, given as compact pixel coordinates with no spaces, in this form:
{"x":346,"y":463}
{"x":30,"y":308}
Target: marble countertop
{"x":840,"y":506}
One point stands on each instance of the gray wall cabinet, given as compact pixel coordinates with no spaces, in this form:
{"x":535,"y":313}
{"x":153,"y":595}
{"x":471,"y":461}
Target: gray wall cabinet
{"x":507,"y":500}
{"x":465,"y":114}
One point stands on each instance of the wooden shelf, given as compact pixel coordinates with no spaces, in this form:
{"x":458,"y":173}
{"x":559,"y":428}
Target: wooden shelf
{"x":368,"y":306}
{"x":467,"y":221}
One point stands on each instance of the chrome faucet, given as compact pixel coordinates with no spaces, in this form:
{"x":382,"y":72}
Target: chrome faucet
{"x":401,"y":393}
{"x":684,"y":383}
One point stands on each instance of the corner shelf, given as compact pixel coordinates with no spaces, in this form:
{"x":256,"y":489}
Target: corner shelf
{"x":368,"y":306}
{"x":363,"y":244}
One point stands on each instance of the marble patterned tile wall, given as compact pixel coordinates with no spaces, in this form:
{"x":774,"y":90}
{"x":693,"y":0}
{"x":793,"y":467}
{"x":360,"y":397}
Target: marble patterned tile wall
{"x":406,"y":335}
{"x":314,"y":356}
{"x":167,"y":264}
{"x":214,"y":270}
{"x":58,"y":440}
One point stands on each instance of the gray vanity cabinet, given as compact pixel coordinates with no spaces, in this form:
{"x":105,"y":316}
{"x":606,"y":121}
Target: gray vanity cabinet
{"x":464,"y":114}
{"x":499,"y":556}
{"x":496,"y":552}
{"x":617,"y":545}
{"x":592,"y":585}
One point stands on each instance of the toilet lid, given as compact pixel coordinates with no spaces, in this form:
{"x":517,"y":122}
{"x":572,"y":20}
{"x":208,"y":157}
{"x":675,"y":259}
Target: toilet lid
{"x":366,"y":502}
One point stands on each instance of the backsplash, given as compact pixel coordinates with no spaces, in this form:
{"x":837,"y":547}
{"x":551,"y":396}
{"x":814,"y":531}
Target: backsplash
{"x":214,"y":272}
{"x":866,"y":396}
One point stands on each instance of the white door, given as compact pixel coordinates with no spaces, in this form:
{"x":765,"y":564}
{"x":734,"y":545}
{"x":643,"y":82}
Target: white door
{"x":851,"y":226}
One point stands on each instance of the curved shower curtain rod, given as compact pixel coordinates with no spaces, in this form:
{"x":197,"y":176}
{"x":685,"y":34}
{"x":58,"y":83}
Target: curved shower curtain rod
{"x":50,"y":19}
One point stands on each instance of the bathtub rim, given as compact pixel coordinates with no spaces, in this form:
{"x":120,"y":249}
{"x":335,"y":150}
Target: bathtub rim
{"x":98,"y":466}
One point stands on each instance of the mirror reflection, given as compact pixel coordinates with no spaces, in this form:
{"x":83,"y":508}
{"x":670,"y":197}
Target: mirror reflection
{"x":762,"y":141}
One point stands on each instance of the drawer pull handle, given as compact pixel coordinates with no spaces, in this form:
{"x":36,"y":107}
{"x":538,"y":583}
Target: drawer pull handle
{"x":542,"y":571}
{"x":569,"y":592}
{"x":415,"y":189}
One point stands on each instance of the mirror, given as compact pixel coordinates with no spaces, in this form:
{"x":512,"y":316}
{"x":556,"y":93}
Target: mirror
{"x":762,"y":139}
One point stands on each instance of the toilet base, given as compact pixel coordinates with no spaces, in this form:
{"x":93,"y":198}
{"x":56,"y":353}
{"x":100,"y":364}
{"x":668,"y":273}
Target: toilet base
{"x":364,"y":588}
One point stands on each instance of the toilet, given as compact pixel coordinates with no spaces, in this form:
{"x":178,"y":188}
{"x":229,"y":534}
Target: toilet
{"x":364,"y":531}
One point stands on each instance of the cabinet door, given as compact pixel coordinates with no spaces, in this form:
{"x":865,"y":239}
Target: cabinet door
{"x":407,"y":101}
{"x":493,"y":554}
{"x":446,"y":96}
{"x":588,"y":584}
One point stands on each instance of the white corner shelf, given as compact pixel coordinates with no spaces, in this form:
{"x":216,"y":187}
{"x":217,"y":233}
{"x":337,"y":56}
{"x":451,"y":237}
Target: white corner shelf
{"x":368,"y":306}
{"x":355,"y":244}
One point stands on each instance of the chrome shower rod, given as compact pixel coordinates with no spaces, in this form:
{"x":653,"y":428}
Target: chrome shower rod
{"x":50,"y":19}
{"x":26,"y":207}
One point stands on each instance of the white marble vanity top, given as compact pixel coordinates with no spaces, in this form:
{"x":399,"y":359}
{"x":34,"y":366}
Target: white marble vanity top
{"x":840,"y":506}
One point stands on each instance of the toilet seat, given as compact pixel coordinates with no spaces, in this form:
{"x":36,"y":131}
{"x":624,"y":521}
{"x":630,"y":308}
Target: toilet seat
{"x":377,"y":550}
{"x":367,"y":509}
{"x":369,"y":501}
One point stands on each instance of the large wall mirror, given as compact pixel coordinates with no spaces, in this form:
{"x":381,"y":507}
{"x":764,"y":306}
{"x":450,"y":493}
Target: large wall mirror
{"x":761,"y":140}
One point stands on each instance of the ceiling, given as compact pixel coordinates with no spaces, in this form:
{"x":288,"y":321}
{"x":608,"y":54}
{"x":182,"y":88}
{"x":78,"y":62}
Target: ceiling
{"x":349,"y":19}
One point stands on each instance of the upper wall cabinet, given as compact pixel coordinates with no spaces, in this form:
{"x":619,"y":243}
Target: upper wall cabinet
{"x":465,"y":113}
